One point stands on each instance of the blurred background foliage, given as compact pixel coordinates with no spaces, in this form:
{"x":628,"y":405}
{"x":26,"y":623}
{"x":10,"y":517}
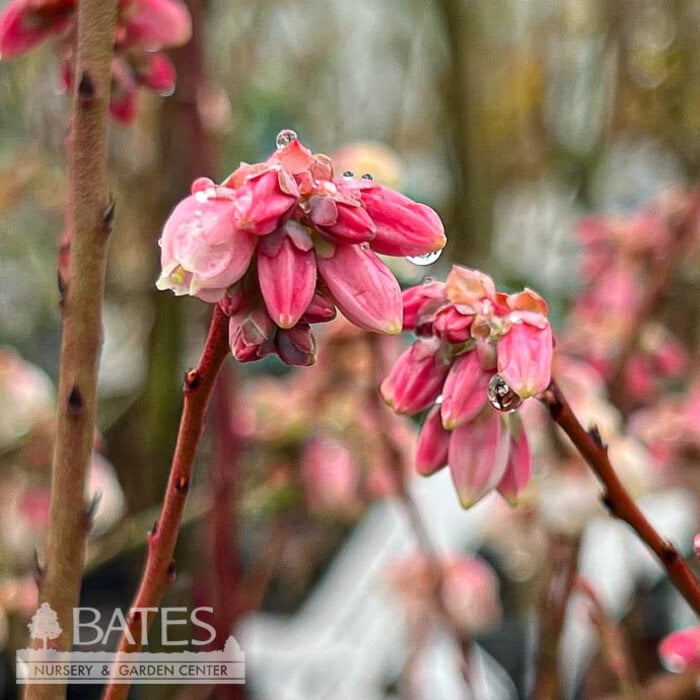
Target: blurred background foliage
{"x":513,"y":118}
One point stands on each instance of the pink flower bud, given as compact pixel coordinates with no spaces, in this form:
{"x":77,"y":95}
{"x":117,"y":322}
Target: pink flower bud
{"x":202,"y":253}
{"x":157,"y":73}
{"x":346,"y":222}
{"x":296,"y":346}
{"x":478,"y":455}
{"x":404,"y":227}
{"x":519,"y":467}
{"x":264,"y":200}
{"x":364,"y":289}
{"x":287,"y":273}
{"x":680,"y":651}
{"x":419,"y":300}
{"x":525,"y":358}
{"x":251,"y":335}
{"x":416,"y":378}
{"x":321,"y":309}
{"x":433,"y":442}
{"x":465,"y":392}
{"x":23,"y":25}
{"x":451,"y":325}
{"x":157,"y":24}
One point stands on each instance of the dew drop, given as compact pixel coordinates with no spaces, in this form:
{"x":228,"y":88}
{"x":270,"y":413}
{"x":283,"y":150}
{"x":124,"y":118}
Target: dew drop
{"x":501,"y":396}
{"x":364,"y":246}
{"x":367,"y":176}
{"x":284,"y":138}
{"x":348,"y":174}
{"x":204,"y":196}
{"x":427,"y":259}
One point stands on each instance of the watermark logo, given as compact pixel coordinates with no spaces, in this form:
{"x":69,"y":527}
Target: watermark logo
{"x":46,"y":665}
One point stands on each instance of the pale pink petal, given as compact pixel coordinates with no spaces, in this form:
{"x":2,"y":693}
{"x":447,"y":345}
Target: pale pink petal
{"x":404,"y":227}
{"x":287,"y":277}
{"x":364,"y":289}
{"x":525,"y":358}
{"x":477,"y":457}
{"x":433,"y":443}
{"x":416,"y":378}
{"x":465,"y":392}
{"x":518,"y":469}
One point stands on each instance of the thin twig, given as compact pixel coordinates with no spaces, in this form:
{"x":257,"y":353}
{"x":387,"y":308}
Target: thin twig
{"x":613,"y":642}
{"x":160,"y":567}
{"x":617,"y":499}
{"x":563,"y":560}
{"x":91,"y":218}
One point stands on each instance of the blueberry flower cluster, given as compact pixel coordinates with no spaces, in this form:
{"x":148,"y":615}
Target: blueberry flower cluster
{"x":282,"y":243}
{"x":478,"y":355}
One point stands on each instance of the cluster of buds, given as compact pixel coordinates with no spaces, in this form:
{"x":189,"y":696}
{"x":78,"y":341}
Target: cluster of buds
{"x":281,"y":244}
{"x":143,"y":29}
{"x":620,"y":255}
{"x":479,"y":354}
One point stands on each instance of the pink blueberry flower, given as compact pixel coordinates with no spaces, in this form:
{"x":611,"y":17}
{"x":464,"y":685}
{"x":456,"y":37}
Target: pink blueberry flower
{"x":281,"y":244}
{"x":519,"y":467}
{"x":202,"y":250}
{"x":525,"y":358}
{"x":416,"y":378}
{"x":479,"y":354}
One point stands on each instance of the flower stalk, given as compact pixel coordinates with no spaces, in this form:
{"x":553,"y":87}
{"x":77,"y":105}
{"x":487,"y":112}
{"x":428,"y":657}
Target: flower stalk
{"x":91,"y":213}
{"x":617,"y":499}
{"x":159,"y":570}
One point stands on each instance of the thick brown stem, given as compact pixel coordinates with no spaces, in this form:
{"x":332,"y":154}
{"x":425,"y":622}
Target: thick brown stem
{"x":160,"y":567}
{"x":616,"y":498}
{"x":91,"y":218}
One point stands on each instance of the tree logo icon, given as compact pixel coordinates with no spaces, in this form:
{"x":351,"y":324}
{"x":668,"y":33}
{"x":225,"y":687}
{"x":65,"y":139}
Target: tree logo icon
{"x":44,"y":624}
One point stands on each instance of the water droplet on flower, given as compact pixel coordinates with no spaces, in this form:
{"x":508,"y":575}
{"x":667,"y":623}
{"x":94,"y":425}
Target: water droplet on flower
{"x":501,"y":396}
{"x":284,"y":138}
{"x":364,"y":246}
{"x":204,"y":196}
{"x":423,"y":260}
{"x":348,"y":174}
{"x":367,"y":176}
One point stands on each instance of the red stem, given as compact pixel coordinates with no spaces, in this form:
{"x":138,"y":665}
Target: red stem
{"x":160,"y":567}
{"x":616,"y":498}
